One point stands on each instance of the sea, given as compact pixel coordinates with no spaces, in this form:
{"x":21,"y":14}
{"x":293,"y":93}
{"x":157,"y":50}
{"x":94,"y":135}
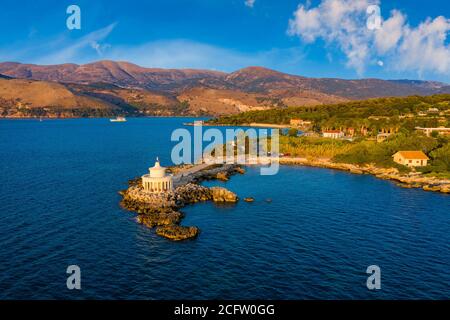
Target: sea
{"x":311,"y":233}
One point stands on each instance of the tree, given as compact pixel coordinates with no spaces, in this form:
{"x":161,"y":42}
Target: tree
{"x":292,"y":132}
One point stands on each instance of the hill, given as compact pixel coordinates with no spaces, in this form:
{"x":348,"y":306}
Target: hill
{"x":126,"y":88}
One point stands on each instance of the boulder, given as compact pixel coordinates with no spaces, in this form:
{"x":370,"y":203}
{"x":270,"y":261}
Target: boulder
{"x":220,"y":194}
{"x":177,"y":233}
{"x":222,"y":176}
{"x":239,"y":170}
{"x":432,"y":187}
{"x":159,"y":219}
{"x":445,"y":188}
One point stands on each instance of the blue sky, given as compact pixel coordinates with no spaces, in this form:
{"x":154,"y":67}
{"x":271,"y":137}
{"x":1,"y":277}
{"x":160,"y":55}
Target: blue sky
{"x":317,"y":38}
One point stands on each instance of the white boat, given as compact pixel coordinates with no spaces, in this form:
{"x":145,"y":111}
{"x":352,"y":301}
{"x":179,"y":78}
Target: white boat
{"x":118,"y":119}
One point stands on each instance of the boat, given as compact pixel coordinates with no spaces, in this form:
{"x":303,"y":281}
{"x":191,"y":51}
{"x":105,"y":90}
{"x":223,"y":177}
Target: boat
{"x":118,"y":119}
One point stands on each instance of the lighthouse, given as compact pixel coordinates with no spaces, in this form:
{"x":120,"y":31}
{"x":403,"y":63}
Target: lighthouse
{"x":157,"y":181}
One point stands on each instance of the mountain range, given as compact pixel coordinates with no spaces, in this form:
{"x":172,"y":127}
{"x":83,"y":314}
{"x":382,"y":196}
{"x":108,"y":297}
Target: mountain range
{"x":107,"y":88}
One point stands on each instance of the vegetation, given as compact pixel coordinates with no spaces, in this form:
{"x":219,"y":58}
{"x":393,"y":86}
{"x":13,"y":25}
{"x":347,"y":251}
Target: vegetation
{"x":398,"y":116}
{"x":372,"y":114}
{"x":312,"y":147}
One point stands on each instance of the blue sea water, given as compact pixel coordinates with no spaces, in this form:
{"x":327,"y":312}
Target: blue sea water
{"x":59,"y":206}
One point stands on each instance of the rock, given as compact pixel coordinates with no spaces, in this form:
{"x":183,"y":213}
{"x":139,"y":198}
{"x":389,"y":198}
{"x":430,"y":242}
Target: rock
{"x":404,"y":185}
{"x":222,"y":176}
{"x":220,"y":194}
{"x":432,"y":187}
{"x":192,"y":193}
{"x":159,"y":219}
{"x":239,"y":170}
{"x":177,"y":233}
{"x":249,"y":199}
{"x":161,"y":210}
{"x":445,"y":188}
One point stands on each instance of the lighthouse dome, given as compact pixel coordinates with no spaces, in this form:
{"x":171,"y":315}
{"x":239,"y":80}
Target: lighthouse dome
{"x":157,"y":171}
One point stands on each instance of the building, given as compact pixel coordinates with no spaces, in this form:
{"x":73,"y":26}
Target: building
{"x":333,"y":134}
{"x":428,"y":131}
{"x":157,"y":181}
{"x":411,"y":158}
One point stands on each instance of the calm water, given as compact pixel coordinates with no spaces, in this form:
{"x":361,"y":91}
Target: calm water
{"x":59,"y":206}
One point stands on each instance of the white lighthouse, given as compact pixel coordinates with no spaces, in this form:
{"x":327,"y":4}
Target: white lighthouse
{"x":157,"y":181}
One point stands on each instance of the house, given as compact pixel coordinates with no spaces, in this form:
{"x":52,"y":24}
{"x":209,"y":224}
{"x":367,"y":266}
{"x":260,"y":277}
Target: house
{"x":411,"y":158}
{"x":333,"y":134}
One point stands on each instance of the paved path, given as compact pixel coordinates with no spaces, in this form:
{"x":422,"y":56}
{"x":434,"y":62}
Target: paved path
{"x":192,"y":170}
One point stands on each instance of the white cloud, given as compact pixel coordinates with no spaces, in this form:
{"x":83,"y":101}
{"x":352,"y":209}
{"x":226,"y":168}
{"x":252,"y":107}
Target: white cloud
{"x":337,"y":22}
{"x":250,"y":3}
{"x":423,"y":48}
{"x":390,"y":33}
{"x":341,"y":24}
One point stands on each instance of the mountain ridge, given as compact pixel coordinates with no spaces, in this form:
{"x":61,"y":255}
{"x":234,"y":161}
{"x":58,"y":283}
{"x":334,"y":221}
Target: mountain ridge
{"x":159,"y":91}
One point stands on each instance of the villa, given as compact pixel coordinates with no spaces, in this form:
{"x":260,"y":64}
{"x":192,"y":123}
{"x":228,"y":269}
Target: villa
{"x":411,"y":158}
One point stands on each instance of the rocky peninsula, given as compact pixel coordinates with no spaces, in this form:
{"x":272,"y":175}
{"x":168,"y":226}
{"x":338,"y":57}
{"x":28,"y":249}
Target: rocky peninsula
{"x":162,"y":210}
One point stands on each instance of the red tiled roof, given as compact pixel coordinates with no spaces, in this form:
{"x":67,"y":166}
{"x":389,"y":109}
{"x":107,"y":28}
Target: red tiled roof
{"x":413,"y":155}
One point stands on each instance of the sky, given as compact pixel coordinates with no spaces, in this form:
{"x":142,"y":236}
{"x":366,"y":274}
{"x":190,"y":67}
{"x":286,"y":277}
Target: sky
{"x":409,"y":39}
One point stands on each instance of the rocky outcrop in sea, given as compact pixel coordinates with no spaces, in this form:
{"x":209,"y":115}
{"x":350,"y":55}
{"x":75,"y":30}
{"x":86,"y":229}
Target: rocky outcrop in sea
{"x":161,"y":211}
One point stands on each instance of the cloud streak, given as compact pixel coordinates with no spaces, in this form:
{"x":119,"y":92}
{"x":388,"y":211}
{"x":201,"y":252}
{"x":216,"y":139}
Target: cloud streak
{"x":76,"y":48}
{"x":61,"y":49}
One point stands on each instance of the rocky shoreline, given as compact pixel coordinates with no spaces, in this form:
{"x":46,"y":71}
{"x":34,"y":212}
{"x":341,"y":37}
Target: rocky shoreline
{"x":161,"y":211}
{"x":402,"y":180}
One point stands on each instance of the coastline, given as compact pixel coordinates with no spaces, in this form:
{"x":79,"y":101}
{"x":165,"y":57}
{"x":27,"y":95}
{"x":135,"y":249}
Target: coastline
{"x":401,"y":180}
